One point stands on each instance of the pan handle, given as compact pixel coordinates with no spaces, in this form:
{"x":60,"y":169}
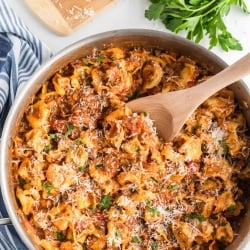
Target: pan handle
{"x":5,"y":221}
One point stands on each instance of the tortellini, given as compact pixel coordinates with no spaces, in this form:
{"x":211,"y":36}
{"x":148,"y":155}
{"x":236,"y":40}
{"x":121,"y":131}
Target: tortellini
{"x":89,"y":173}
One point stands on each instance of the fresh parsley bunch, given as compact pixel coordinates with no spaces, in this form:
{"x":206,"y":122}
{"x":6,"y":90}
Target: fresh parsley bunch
{"x":199,"y":18}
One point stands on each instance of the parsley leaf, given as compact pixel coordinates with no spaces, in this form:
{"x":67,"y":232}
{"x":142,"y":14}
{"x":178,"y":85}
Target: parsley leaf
{"x":47,"y":148}
{"x":135,"y":239}
{"x":48,"y":187}
{"x":100,"y":58}
{"x":154,"y":211}
{"x":70,"y":127}
{"x":22,"y":181}
{"x":105,"y":202}
{"x":224,"y":146}
{"x":59,"y":236}
{"x":79,"y":142}
{"x":82,"y":169}
{"x":231,"y":208}
{"x":53,"y":136}
{"x":173,"y":187}
{"x":199,"y":217}
{"x":154,"y":246}
{"x":198,"y":18}
{"x":118,"y":233}
{"x":154,"y":11}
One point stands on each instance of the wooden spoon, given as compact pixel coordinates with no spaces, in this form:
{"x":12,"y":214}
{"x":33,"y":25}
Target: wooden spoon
{"x":170,"y":110}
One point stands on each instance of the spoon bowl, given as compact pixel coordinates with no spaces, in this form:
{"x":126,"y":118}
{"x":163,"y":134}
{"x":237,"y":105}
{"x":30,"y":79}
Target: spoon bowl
{"x":170,"y":110}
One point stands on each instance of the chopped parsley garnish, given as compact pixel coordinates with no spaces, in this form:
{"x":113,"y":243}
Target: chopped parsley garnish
{"x":135,"y":239}
{"x":105,"y":202}
{"x":79,"y":142}
{"x":82,"y":169}
{"x":224,"y":146}
{"x":85,"y":62}
{"x":70,"y":127}
{"x":231,"y":208}
{"x":47,"y":148}
{"x":100,"y":58}
{"x":118,"y":233}
{"x":154,"y":246}
{"x":59,"y":236}
{"x":22,"y":182}
{"x":154,"y":211}
{"x":225,"y":149}
{"x":199,"y":217}
{"x":48,"y":187}
{"x":173,"y":187}
{"x":53,"y":136}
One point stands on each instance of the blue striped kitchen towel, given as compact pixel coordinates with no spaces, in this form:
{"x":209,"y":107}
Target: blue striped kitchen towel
{"x":21,"y":53}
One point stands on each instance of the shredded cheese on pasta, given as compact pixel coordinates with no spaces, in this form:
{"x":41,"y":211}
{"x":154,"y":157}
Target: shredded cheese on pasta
{"x":91,"y":174}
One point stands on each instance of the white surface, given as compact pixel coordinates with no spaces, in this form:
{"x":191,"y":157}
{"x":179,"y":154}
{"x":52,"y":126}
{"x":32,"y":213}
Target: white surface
{"x":130,"y":14}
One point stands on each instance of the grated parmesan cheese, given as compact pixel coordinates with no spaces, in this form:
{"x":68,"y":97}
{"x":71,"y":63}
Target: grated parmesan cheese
{"x":139,"y":194}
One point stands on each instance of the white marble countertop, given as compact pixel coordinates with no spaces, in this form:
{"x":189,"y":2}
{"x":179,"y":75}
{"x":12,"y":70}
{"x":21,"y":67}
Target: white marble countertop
{"x":130,"y":14}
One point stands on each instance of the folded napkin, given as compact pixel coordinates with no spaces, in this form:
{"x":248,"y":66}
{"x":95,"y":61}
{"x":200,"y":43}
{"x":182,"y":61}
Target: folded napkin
{"x":21,"y":53}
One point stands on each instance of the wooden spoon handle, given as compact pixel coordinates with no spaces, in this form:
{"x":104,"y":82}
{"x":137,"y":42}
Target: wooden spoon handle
{"x":227,"y":76}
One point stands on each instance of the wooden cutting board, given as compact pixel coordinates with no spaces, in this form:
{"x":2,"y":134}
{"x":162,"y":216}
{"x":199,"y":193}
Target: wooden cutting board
{"x":64,"y":16}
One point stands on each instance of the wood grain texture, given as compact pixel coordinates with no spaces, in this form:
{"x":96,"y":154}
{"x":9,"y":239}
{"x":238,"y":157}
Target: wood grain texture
{"x":65,"y":16}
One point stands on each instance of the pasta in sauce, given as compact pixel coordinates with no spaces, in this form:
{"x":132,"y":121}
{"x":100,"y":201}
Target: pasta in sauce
{"x":91,"y":174}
